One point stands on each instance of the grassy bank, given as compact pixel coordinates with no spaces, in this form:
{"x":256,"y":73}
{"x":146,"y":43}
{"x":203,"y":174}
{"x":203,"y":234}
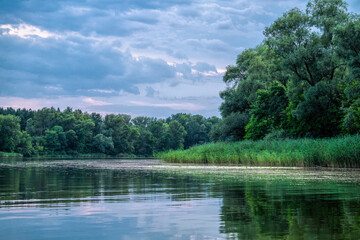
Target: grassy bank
{"x":334,"y":152}
{"x":75,"y":156}
{"x":7,"y":154}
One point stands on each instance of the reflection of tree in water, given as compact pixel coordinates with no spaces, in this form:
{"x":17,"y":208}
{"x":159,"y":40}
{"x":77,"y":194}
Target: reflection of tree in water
{"x":249,"y":214}
{"x":254,"y":213}
{"x":76,"y":185}
{"x":236,"y":215}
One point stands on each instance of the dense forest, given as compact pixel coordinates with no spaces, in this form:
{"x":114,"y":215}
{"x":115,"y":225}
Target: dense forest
{"x":49,"y":131}
{"x":302,"y":81}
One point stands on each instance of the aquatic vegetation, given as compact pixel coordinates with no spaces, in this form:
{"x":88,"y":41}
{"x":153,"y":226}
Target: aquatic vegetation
{"x":332,"y":152}
{"x":7,"y":154}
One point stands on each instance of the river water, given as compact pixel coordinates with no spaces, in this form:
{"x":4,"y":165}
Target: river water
{"x":149,"y":199}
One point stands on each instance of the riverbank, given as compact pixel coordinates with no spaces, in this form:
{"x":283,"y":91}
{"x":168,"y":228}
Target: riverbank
{"x":74,"y":156}
{"x":341,"y":152}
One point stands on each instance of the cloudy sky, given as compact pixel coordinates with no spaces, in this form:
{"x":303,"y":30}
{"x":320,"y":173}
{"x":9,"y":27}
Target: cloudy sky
{"x":139,"y":57}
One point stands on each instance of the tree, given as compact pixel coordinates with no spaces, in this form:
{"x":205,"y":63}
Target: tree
{"x":72,"y":141}
{"x":310,"y":54}
{"x":98,"y":121}
{"x":117,"y":127}
{"x":305,"y":55}
{"x":177,"y":133}
{"x":348,"y":40}
{"x":24,"y":145}
{"x":9,"y":132}
{"x":144,"y":145}
{"x":196,"y":131}
{"x":142,"y":122}
{"x":160,"y":133}
{"x":320,"y":112}
{"x":103,"y":144}
{"x":84,"y":132}
{"x":268,"y":112}
{"x":56,"y":141}
{"x":44,"y":119}
{"x":255,"y":69}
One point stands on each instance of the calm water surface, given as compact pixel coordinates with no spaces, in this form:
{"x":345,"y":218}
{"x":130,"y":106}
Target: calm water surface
{"x":148,"y":199}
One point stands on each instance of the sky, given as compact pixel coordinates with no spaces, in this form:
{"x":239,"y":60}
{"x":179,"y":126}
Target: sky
{"x":139,"y":57}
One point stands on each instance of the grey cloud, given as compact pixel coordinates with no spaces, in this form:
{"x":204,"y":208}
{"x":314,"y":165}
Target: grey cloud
{"x":176,"y":54}
{"x":150,"y":92}
{"x":73,"y":66}
{"x":190,"y":12}
{"x":224,"y":25}
{"x":143,"y":18}
{"x":204,"y":67}
{"x":185,"y":69}
{"x":210,"y":44}
{"x":141,"y":44}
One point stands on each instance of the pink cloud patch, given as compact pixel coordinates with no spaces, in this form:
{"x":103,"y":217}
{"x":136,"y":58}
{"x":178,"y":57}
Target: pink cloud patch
{"x":175,"y":106}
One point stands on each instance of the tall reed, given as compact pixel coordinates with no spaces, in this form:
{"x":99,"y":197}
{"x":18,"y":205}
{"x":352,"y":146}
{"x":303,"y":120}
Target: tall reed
{"x":333,"y":152}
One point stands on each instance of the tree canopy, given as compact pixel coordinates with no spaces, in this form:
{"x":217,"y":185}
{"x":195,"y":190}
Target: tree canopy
{"x":302,"y":80}
{"x":49,"y":131}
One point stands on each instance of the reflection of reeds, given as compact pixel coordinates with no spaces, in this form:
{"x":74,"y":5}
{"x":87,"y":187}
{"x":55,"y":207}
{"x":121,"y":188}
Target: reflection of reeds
{"x":334,"y":152}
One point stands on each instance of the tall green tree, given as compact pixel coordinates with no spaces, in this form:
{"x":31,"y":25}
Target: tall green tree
{"x":269,"y":111}
{"x":56,"y":141}
{"x":348,"y":40}
{"x":9,"y":132}
{"x":177,"y":134}
{"x":103,"y":144}
{"x":24,"y":145}
{"x":116,"y":126}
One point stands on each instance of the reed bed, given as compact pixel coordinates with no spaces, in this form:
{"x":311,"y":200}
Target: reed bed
{"x":339,"y":152}
{"x":7,"y":154}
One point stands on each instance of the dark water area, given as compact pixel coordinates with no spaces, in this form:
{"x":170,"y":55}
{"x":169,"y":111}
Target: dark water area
{"x":149,"y":199}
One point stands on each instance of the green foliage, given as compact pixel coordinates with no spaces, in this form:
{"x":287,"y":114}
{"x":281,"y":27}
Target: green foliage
{"x":103,"y":144}
{"x":277,"y":134}
{"x":197,"y":128}
{"x":23,"y":114}
{"x":7,"y":154}
{"x":116,"y":127}
{"x":231,"y":128}
{"x":50,"y":131}
{"x":320,"y":111}
{"x":268,"y":112}
{"x":351,"y":123}
{"x":24,"y":145}
{"x":56,"y":141}
{"x":145,"y":143}
{"x":176,"y":135}
{"x":347,"y":39}
{"x":45,"y":119}
{"x":335,"y":152}
{"x":160,"y":133}
{"x":313,"y":57}
{"x":9,"y":132}
{"x":72,"y":141}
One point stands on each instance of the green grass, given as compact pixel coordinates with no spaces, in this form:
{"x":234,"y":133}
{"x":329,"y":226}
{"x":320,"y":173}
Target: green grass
{"x":341,"y":152}
{"x":7,"y":154}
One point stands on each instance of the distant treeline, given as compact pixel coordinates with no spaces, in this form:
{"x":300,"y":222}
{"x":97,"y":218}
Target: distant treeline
{"x":49,"y":131}
{"x":303,"y":80}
